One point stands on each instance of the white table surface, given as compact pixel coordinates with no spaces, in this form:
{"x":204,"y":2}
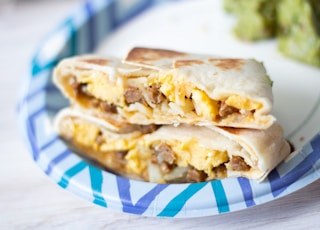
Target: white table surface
{"x":30,"y":200}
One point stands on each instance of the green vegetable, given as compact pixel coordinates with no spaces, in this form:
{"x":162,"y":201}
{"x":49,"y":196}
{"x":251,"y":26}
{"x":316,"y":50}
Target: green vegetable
{"x":295,"y":23}
{"x":256,"y":19}
{"x":298,"y":34}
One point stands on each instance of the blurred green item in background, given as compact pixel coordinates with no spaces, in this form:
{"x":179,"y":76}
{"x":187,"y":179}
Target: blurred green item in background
{"x":295,"y":23}
{"x":256,"y":19}
{"x":299,"y":30}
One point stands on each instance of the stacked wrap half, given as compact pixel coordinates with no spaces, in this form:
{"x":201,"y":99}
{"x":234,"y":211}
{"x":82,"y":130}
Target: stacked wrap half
{"x":165,"y":116}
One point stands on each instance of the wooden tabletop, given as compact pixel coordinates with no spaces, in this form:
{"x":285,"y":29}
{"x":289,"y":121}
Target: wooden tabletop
{"x":31,"y":200}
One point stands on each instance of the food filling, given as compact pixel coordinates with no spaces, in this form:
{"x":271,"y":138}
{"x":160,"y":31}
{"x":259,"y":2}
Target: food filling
{"x":177,"y":99}
{"x":156,"y":160}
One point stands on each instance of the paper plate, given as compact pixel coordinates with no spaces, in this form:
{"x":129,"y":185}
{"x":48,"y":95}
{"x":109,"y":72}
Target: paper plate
{"x":111,"y":28}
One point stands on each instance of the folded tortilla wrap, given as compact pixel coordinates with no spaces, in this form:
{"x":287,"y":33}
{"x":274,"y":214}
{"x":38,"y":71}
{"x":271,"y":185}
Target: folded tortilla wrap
{"x":169,"y":87}
{"x":168,"y":153}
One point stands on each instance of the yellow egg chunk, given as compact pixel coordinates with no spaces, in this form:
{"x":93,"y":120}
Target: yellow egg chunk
{"x":204,"y":106}
{"x":175,"y":91}
{"x":240,"y":102}
{"x":167,"y":86}
{"x":138,"y":159}
{"x":86,"y":134}
{"x":205,"y":159}
{"x":97,"y":85}
{"x":120,"y":144}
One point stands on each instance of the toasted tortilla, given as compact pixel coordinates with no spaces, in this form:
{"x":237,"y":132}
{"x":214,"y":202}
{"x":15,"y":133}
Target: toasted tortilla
{"x":167,"y":154}
{"x":155,"y":86}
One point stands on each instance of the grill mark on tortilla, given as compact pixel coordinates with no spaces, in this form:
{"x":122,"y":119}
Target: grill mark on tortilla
{"x":145,"y":54}
{"x":181,"y":63}
{"x":97,"y":61}
{"x":226,"y":64}
{"x":81,"y":68}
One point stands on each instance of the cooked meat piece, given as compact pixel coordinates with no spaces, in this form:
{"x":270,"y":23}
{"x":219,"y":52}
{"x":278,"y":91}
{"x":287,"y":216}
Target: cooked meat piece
{"x":132,"y":95}
{"x":156,"y":97}
{"x":144,"y":129}
{"x":165,"y":168}
{"x":121,"y":154}
{"x":238,"y":164}
{"x":99,"y":138}
{"x":79,"y":88}
{"x":220,"y":171}
{"x":76,"y":86}
{"x":165,"y":153}
{"x":148,"y":128}
{"x":226,"y":110}
{"x":95,"y":102}
{"x":154,"y":158}
{"x":107,"y":107}
{"x":194,"y":175}
{"x":119,"y":158}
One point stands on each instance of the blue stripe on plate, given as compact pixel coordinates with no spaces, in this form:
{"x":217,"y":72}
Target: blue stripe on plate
{"x":96,"y":185}
{"x":71,"y":172}
{"x":220,"y":195}
{"x":31,"y":132}
{"x":49,"y":143}
{"x":246,"y":191}
{"x":280,"y":183}
{"x":177,"y":203}
{"x":60,"y":157}
{"x":143,"y":203}
{"x":39,"y":65}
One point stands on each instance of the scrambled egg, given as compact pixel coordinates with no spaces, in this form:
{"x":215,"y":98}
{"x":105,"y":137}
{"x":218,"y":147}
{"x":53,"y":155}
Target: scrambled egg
{"x":190,"y":98}
{"x":167,"y":87}
{"x":242,"y":103}
{"x":85,"y":134}
{"x":205,"y":159}
{"x":201,"y":158}
{"x":204,"y":106}
{"x":139,"y":150}
{"x":182,"y":95}
{"x":97,"y":84}
{"x":138,"y":159}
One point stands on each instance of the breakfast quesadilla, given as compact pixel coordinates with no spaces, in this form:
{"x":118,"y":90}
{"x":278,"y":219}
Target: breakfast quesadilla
{"x":167,"y":153}
{"x":155,"y":86}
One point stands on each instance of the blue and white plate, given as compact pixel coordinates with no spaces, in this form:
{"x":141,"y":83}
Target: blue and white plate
{"x":110,"y":27}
